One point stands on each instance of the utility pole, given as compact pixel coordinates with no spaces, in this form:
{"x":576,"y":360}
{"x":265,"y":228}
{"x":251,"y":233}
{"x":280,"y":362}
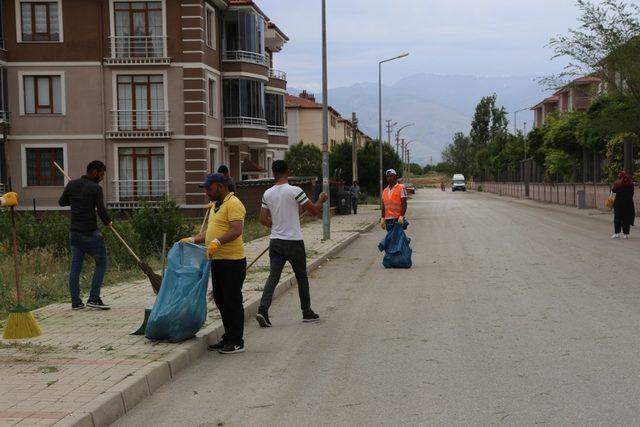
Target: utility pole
{"x":354,"y":149}
{"x":408,"y":164}
{"x":326,"y":214}
{"x":525,"y":140}
{"x":402,"y":156}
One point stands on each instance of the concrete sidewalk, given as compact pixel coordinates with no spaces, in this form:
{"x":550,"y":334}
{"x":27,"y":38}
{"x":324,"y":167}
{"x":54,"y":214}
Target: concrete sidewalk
{"x":87,"y":370}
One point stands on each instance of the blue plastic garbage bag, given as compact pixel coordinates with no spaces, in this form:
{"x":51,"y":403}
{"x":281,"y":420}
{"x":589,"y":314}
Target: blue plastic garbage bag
{"x":396,"y":247}
{"x":180,"y":309}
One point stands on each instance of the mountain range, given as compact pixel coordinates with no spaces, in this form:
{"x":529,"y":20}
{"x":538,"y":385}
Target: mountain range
{"x":439,"y":106}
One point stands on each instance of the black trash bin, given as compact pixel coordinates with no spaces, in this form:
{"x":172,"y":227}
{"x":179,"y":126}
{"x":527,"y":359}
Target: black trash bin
{"x":344,"y":203}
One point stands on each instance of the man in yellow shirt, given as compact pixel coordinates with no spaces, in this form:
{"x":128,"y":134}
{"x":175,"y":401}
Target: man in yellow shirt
{"x":225,"y":247}
{"x":9,"y":199}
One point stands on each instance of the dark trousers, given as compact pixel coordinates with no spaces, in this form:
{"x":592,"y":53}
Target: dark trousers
{"x":90,"y":243}
{"x":227,"y":277}
{"x":625,"y":227}
{"x":281,"y":251}
{"x":354,"y":205}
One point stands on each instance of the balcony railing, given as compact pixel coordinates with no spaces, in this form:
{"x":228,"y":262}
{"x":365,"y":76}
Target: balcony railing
{"x":582,"y":102}
{"x":277,"y":130}
{"x":245,"y":56}
{"x":140,"y":123}
{"x":277,"y":74}
{"x":138,"y":50}
{"x":245,"y":122}
{"x":3,"y":188}
{"x":127,"y":191}
{"x":4,"y":117}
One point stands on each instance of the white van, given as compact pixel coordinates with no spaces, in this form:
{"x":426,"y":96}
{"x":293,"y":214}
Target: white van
{"x":458,"y":183}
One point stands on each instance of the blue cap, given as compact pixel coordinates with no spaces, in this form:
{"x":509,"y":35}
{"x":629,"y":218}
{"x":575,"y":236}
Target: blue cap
{"x":212,"y":178}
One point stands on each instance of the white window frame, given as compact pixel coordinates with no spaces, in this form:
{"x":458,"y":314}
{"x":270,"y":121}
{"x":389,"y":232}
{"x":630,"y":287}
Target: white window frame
{"x":23,"y":151}
{"x":214,"y":167}
{"x":114,"y":83}
{"x":63,"y":95}
{"x":210,"y":43}
{"x":18,"y":9}
{"x":211,"y":77}
{"x":112,"y":23}
{"x":116,"y":160}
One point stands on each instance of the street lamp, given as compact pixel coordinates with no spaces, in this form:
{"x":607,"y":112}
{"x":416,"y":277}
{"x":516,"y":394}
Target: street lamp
{"x":515,"y":119}
{"x":398,"y":136}
{"x":405,"y":150}
{"x":380,"y":110}
{"x":326,"y":215}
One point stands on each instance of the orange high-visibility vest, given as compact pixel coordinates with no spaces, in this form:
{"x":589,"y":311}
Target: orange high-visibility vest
{"x":393,"y":201}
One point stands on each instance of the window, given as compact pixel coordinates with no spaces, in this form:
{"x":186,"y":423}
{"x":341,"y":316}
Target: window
{"x":274,"y":104}
{"x":333,"y":121}
{"x":141,"y":104}
{"x":213,"y":159}
{"x":42,"y":94}
{"x":243,"y":98}
{"x":39,"y":21}
{"x":40,"y":169}
{"x":139,"y":29}
{"x":141,"y":173}
{"x":243,"y":31}
{"x":211,"y":27}
{"x":212,"y":98}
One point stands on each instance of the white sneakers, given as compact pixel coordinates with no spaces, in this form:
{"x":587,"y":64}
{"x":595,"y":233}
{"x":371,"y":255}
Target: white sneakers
{"x":626,"y":236}
{"x":615,"y":236}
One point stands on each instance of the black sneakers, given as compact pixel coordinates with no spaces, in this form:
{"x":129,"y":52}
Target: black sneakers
{"x":97,"y":303}
{"x":232,"y":349}
{"x":310,"y":317}
{"x":78,"y":306}
{"x":217,"y":346}
{"x":263,"y":319}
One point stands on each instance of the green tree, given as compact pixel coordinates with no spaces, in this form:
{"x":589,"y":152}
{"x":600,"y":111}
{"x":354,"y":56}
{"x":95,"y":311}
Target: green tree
{"x":368,"y":160}
{"x":604,"y":44}
{"x":458,"y":154}
{"x":615,"y":153}
{"x":340,"y":159}
{"x":304,"y":160}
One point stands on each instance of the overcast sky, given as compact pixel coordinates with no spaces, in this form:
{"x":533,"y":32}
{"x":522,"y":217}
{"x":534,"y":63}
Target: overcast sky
{"x":452,"y":37}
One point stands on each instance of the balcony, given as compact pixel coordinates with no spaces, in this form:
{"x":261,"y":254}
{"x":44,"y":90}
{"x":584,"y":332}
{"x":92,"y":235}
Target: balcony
{"x":129,"y":193}
{"x":278,"y":75}
{"x":245,"y":122}
{"x":139,"y":124}
{"x":582,"y":103}
{"x":137,"y":50}
{"x":277,"y":130}
{"x":245,"y":56}
{"x":4,"y":117}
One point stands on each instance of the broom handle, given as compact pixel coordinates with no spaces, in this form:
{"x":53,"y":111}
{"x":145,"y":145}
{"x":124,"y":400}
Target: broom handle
{"x":16,"y":262}
{"x":204,"y":221}
{"x":133,"y":254}
{"x":61,"y":170}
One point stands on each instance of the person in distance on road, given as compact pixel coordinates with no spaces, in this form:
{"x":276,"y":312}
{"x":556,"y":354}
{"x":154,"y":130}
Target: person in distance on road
{"x":394,"y":202}
{"x":623,"y":207}
{"x":280,"y":212}
{"x":355,"y":195}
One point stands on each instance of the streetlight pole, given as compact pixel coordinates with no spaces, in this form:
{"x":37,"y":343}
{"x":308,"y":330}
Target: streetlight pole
{"x":380,"y":112}
{"x":515,"y":119}
{"x":326,"y":214}
{"x":525,"y":140}
{"x":405,"y":151}
{"x":398,"y":136}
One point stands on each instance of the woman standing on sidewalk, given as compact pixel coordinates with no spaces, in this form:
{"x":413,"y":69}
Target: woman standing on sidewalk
{"x":623,"y":208}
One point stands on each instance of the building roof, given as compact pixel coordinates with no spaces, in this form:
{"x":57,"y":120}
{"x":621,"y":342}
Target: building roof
{"x":277,"y":29}
{"x":580,"y":81}
{"x":250,"y":166}
{"x":550,"y":100}
{"x":298,"y":102}
{"x":250,"y":3}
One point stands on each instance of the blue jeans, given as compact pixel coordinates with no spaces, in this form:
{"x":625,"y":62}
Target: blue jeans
{"x":91,"y":243}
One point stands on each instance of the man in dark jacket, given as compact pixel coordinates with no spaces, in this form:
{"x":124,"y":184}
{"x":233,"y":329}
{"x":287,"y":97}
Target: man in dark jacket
{"x":85,"y":196}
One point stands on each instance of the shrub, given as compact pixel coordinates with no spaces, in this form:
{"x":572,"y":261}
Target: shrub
{"x":615,"y":153}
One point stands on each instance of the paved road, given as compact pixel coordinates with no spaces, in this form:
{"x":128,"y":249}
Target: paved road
{"x":512,"y":315}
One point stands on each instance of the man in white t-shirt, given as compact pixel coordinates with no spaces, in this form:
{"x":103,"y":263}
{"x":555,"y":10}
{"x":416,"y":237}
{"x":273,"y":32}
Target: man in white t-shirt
{"x":281,"y":212}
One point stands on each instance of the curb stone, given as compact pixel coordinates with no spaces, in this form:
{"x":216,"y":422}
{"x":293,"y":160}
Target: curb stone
{"x":124,"y":396}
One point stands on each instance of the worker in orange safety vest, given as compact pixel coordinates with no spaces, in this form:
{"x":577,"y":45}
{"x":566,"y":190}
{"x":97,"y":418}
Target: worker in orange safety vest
{"x":394,"y":202}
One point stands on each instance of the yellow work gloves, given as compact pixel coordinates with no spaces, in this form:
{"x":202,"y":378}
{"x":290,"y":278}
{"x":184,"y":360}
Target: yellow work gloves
{"x":210,"y":205}
{"x":383,"y":224}
{"x":213,"y":247}
{"x":9,"y":199}
{"x":401,"y":220}
{"x":188,"y":240}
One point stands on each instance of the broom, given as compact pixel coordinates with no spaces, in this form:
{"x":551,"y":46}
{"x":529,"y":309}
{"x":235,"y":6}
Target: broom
{"x":156,"y":280}
{"x":21,"y":324}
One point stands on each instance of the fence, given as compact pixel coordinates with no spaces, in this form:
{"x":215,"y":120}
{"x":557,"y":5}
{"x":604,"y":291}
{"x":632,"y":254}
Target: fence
{"x":595,"y":194}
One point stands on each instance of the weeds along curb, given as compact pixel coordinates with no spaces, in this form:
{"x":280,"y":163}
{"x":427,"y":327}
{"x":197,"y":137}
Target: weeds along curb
{"x":124,"y":396}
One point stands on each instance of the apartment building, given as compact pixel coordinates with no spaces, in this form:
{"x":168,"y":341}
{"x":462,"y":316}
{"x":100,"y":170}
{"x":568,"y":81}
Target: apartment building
{"x":576,"y":96}
{"x":162,"y":91}
{"x":304,"y":122}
